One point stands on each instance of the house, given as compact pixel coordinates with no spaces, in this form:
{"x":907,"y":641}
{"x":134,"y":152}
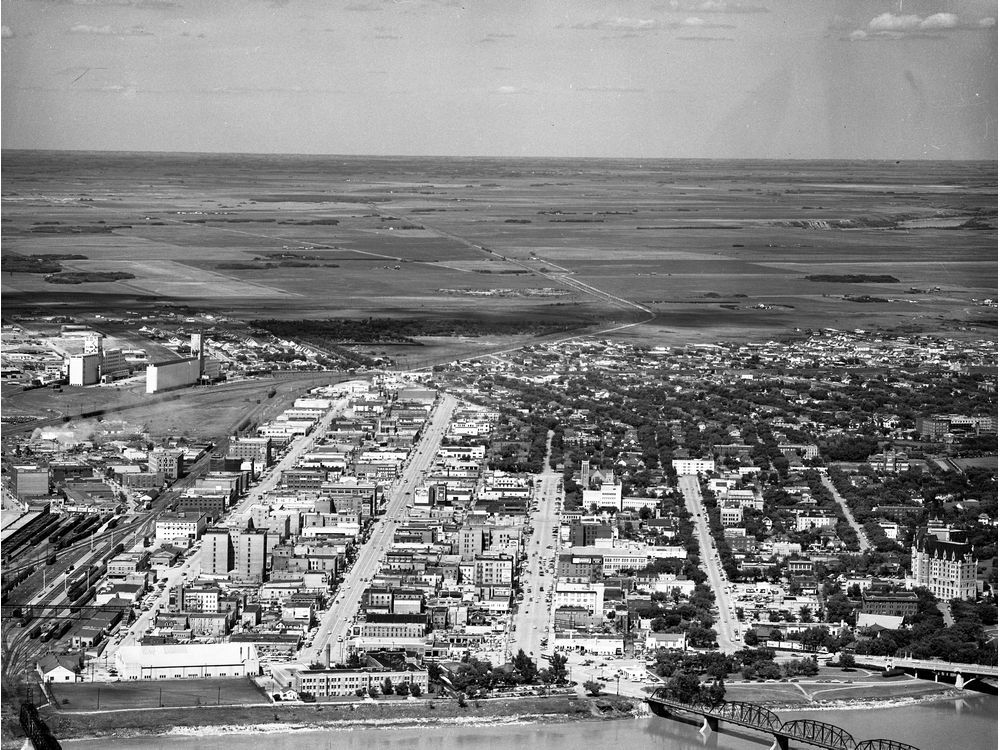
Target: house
{"x":58,"y":668}
{"x":673,"y":641}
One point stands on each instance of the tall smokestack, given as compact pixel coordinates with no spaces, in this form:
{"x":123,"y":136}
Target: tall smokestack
{"x":326,"y":656}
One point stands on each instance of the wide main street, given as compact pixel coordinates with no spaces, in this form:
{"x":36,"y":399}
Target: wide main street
{"x":532,"y":621}
{"x":335,"y":626}
{"x":237,"y":515}
{"x":728,"y":626}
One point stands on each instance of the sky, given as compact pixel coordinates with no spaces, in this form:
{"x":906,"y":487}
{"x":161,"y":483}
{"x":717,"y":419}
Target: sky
{"x":797,"y":79}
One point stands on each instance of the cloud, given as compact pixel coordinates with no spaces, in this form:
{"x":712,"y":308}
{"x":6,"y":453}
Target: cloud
{"x":889,"y":22}
{"x":610,"y":89}
{"x":705,"y":39}
{"x":495,"y":37}
{"x":108,"y":30}
{"x":888,"y":26}
{"x":5,"y":32}
{"x":715,"y":6}
{"x":618,"y":24}
{"x":700,"y":23}
{"x":940,"y":21}
{"x":387,"y":36}
{"x":141,"y":4}
{"x":508,"y":90}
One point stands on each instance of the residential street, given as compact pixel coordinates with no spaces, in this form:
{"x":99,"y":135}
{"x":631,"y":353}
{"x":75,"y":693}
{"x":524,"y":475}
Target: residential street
{"x":862,"y":536}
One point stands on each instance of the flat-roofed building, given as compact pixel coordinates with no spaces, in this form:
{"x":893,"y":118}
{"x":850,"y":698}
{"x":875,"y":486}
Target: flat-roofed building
{"x":590,"y":596}
{"x":324,"y":683}
{"x":216,"y":552}
{"x":30,"y":481}
{"x":895,"y":603}
{"x":249,"y":555}
{"x":192,"y":660}
{"x":127,"y":563}
{"x":179,"y":529}
{"x":394,"y":626}
{"x":693,"y":466}
{"x":254,"y":448}
{"x":493,"y":570}
{"x":169,"y":463}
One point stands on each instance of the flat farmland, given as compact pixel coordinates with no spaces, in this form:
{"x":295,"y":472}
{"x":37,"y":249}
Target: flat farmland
{"x":706,"y":245}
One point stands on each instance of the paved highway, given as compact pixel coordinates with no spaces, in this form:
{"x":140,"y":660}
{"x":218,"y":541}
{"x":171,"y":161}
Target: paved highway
{"x":728,"y":626}
{"x":335,"y":627}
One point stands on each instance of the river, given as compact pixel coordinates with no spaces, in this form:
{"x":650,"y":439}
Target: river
{"x":968,"y":723}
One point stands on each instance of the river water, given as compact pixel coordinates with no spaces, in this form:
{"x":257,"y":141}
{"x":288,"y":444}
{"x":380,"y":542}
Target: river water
{"x":968,"y":723}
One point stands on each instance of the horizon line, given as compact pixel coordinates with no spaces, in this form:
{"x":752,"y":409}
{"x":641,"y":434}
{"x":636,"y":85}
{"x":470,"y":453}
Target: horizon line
{"x":884,"y":159}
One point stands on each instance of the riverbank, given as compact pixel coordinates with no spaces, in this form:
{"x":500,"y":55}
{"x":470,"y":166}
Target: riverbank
{"x":215,"y":720}
{"x":429,"y":713}
{"x":859,"y":689}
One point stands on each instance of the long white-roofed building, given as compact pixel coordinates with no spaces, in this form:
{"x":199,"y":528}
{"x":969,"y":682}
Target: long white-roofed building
{"x":192,"y":660}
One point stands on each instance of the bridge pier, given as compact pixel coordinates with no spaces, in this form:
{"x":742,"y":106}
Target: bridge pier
{"x":711,"y":724}
{"x":959,"y":681}
{"x":780,"y":743}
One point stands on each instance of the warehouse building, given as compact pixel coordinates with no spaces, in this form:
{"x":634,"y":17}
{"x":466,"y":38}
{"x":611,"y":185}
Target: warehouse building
{"x":175,"y":661}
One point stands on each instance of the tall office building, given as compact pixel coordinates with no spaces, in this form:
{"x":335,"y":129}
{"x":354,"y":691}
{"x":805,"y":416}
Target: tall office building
{"x":216,"y":552}
{"x":250,"y":552}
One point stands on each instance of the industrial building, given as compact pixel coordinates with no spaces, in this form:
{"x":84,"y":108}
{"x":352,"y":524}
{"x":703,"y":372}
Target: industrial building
{"x":96,"y":364}
{"x":30,"y":481}
{"x":168,"y":662}
{"x":182,"y":372}
{"x":84,"y":369}
{"x":175,"y":373}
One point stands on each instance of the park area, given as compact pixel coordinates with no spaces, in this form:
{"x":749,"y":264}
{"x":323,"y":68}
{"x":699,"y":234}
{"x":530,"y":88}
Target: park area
{"x":842,"y":686}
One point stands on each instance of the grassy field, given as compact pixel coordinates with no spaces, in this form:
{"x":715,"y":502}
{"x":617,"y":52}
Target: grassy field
{"x":833,"y":684}
{"x":112,"y":696}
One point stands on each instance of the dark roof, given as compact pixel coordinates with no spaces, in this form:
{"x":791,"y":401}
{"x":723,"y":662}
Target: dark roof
{"x":937,"y":548}
{"x":401,"y":618}
{"x":50,"y":661}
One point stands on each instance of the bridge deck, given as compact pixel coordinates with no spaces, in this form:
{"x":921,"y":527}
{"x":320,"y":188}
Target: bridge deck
{"x":753,"y":716}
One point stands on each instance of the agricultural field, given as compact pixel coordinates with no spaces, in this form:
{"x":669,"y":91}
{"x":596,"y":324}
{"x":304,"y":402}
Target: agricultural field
{"x":706,"y":248}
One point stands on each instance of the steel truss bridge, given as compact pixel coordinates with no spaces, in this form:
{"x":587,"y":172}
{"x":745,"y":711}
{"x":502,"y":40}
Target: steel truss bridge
{"x":753,"y":716}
